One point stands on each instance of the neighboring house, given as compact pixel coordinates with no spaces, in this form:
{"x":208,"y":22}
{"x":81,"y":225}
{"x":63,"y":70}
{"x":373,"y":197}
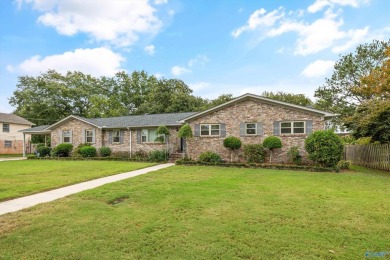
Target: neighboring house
{"x":250,"y":117}
{"x":11,"y":141}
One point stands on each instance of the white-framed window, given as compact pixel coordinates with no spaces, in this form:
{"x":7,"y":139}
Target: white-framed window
{"x":88,"y":136}
{"x":250,"y":128}
{"x":149,"y":136}
{"x":293,"y":127}
{"x":7,"y":144}
{"x":116,"y":136}
{"x":210,"y":130}
{"x":6,"y":128}
{"x":66,"y":136}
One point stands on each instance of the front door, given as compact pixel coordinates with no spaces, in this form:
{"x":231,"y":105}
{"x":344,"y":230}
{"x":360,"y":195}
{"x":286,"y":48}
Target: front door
{"x":182,"y":145}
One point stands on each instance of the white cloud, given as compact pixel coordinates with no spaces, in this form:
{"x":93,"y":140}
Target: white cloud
{"x":117,"y":22}
{"x":10,"y":68}
{"x":259,"y":18}
{"x":150,"y":49}
{"x":177,"y":71}
{"x":160,"y":2}
{"x":97,"y":62}
{"x":318,"y":68}
{"x":318,"y":5}
{"x":198,"y":60}
{"x":323,"y":33}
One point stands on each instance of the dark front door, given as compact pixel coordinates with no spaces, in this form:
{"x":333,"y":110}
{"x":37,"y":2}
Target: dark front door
{"x":182,"y":145}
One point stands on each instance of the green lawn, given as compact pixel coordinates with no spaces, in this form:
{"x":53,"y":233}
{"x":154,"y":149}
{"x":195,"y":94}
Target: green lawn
{"x":21,"y":178}
{"x":10,"y":155}
{"x":207,"y":212}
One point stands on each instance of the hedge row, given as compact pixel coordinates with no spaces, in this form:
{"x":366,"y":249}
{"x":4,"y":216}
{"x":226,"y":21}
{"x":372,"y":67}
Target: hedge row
{"x":136,"y":159}
{"x":259,"y":165}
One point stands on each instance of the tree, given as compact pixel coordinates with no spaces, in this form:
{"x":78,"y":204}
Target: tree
{"x":185,"y":132}
{"x":272,"y":143}
{"x":342,"y":93}
{"x":232,"y":143}
{"x":223,"y":98}
{"x":297,"y":99}
{"x":371,"y":119}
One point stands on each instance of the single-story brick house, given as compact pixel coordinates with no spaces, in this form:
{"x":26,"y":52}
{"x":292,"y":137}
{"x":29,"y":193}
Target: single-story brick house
{"x":249,"y":117}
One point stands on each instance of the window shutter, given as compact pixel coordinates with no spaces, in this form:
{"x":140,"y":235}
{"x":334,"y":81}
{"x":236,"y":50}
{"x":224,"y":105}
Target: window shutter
{"x":277,"y":128}
{"x":59,"y":136}
{"x":309,"y":127}
{"x":222,"y":129}
{"x":93,"y":135}
{"x":138,"y":136}
{"x":71,"y":136}
{"x":259,"y":127}
{"x":110,"y":137}
{"x":197,"y":130}
{"x":83,"y":136}
{"x":242,"y":129}
{"x":121,"y":136}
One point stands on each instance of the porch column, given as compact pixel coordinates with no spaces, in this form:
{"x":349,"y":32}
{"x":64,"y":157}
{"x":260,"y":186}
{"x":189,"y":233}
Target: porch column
{"x":45,"y":141}
{"x":24,"y":145}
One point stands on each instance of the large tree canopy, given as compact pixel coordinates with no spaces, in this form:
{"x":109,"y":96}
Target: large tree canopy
{"x":49,"y":97}
{"x":297,"y":99}
{"x":342,"y":93}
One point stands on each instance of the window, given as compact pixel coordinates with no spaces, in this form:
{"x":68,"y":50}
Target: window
{"x":66,"y":136}
{"x":250,"y":128}
{"x":6,"y":128}
{"x":7,"y":144}
{"x":116,"y":136}
{"x":209,"y":129}
{"x":150,"y":136}
{"x":292,"y":127}
{"x":88,"y":136}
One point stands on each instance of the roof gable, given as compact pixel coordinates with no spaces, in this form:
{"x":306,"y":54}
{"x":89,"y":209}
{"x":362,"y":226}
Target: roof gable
{"x":14,"y":119}
{"x":264,"y":100}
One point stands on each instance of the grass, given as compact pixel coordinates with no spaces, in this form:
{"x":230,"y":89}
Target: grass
{"x":21,"y":178}
{"x":10,"y":155}
{"x":206,"y":213}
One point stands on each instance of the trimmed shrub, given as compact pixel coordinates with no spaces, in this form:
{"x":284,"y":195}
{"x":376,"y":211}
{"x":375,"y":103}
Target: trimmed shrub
{"x":88,"y":151}
{"x":185,"y":131}
{"x":141,"y":154}
{"x":158,"y":156}
{"x":254,"y":153}
{"x":105,"y":151}
{"x":210,"y":157}
{"x":272,"y":142}
{"x":293,"y":154}
{"x":62,"y":150}
{"x":44,"y":151}
{"x":324,"y":147}
{"x":343,"y":164}
{"x":232,"y":143}
{"x":78,"y":148}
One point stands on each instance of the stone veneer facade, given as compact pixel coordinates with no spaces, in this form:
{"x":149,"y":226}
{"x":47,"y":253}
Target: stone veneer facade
{"x":102,"y":138}
{"x":250,"y":111}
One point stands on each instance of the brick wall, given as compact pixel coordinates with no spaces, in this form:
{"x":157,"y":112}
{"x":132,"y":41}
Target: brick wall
{"x":16,"y":148}
{"x":251,"y":111}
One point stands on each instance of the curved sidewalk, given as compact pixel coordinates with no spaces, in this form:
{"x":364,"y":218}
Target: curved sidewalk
{"x":32,"y":200}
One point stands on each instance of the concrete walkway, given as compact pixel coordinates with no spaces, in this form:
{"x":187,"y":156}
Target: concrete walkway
{"x":12,"y":159}
{"x":32,"y":200}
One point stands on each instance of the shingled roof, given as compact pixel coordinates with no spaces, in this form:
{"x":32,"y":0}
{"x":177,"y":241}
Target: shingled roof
{"x":137,"y":121}
{"x":14,"y":119}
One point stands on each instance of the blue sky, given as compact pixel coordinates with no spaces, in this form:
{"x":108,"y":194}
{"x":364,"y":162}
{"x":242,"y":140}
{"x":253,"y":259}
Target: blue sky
{"x":216,"y":47}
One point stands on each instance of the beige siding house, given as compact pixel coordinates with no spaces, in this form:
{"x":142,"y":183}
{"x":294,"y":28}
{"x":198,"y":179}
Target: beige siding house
{"x":249,"y":117}
{"x":11,"y":140}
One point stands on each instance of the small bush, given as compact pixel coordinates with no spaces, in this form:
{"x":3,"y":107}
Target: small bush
{"x":343,"y":164}
{"x":140,"y":154}
{"x":44,"y":151}
{"x":78,"y":148}
{"x":121,"y":154}
{"x":62,"y":150}
{"x":185,"y":131}
{"x":293,"y":154}
{"x":363,"y":140}
{"x":324,"y":147}
{"x":105,"y":151}
{"x":254,"y":153}
{"x":210,"y":157}
{"x":88,"y":151}
{"x":232,"y":143}
{"x":272,"y":142}
{"x":158,"y":156}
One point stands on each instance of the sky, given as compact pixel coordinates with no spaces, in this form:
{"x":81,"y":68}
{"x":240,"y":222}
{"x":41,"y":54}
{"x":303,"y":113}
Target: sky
{"x":215,"y":46}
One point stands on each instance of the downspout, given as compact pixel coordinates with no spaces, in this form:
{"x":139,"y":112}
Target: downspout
{"x":24,"y":145}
